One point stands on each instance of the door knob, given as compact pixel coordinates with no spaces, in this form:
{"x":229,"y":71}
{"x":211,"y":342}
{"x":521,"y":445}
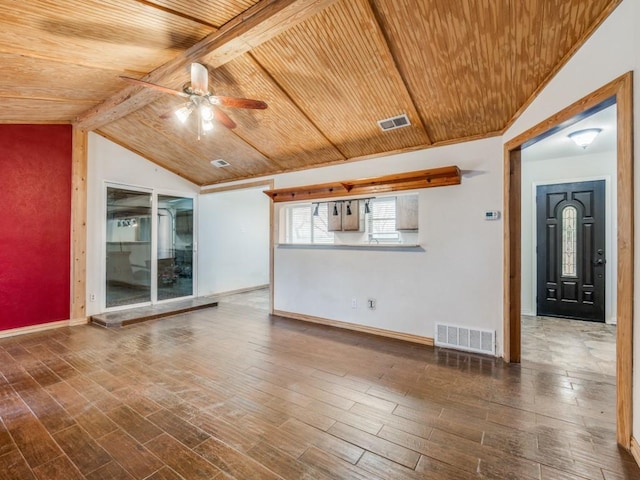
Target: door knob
{"x":599,"y":261}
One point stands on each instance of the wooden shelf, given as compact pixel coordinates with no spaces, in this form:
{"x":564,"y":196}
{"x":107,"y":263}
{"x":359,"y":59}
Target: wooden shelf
{"x":308,"y":192}
{"x":434,"y":177}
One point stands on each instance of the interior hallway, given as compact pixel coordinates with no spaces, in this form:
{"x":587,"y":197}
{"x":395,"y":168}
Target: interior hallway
{"x":230,"y":389}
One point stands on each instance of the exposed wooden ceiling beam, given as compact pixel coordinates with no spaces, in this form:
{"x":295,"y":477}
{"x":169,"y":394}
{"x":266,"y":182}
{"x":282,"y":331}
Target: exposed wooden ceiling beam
{"x":258,"y":24}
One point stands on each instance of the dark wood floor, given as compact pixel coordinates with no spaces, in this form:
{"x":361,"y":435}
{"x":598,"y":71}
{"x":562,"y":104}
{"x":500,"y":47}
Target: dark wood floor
{"x":230,"y":393}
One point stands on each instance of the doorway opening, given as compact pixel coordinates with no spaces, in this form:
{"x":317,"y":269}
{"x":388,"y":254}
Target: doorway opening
{"x":568,"y":247}
{"x":620,"y":90}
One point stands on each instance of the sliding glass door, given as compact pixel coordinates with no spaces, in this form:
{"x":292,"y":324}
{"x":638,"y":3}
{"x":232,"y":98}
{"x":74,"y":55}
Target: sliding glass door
{"x":128,"y":247}
{"x":175,"y":247}
{"x":149,"y":247}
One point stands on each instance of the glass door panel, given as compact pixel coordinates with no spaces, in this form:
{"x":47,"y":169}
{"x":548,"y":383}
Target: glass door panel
{"x":175,"y":247}
{"x":128,"y":247}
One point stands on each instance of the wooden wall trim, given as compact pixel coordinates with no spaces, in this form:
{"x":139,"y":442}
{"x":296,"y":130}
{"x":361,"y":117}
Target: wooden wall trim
{"x":79,"y":225}
{"x":273,"y":237}
{"x":635,"y":450}
{"x":624,"y":334}
{"x":622,"y":89}
{"x":598,"y":96}
{"x":512,"y":255}
{"x":237,"y":186}
{"x":407,"y":337}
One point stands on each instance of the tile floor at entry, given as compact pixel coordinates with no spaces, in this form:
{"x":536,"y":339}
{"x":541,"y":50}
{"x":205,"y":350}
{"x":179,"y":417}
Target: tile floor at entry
{"x":569,"y":344}
{"x":230,"y":392}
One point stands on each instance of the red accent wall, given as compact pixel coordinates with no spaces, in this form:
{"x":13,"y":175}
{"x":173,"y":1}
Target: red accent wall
{"x":35,"y":224}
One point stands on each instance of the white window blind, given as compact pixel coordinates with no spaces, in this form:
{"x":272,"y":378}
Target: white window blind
{"x":304,"y":227}
{"x":382,"y":220}
{"x":321,"y":233}
{"x":299,"y":224}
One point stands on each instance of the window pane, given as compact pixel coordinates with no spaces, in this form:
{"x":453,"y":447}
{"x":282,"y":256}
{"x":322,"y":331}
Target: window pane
{"x":128,"y":261}
{"x":175,"y":247}
{"x":299,"y":224}
{"x":569,"y":242}
{"x":382,"y":219}
{"x":321,"y":233}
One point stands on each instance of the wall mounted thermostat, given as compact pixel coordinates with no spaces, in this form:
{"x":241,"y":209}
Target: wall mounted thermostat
{"x":492,"y":215}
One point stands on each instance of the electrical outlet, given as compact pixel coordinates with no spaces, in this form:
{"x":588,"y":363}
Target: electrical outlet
{"x":354,"y":302}
{"x":92,"y":297}
{"x":371,"y":303}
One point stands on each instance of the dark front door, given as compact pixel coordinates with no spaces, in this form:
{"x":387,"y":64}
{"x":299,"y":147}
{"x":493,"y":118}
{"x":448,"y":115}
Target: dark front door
{"x":570,"y":250}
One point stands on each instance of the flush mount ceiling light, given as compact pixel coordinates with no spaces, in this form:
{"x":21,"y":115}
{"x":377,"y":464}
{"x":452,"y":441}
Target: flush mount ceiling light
{"x":583,"y":138}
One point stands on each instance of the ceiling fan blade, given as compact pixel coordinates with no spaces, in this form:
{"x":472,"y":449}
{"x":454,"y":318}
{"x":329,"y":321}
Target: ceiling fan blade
{"x":199,"y":78}
{"x":154,"y":86}
{"x":235,"y":102}
{"x":168,"y":114}
{"x":223,"y":118}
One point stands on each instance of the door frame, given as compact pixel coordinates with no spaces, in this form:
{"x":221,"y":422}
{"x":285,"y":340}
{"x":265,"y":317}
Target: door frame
{"x":622,"y":89}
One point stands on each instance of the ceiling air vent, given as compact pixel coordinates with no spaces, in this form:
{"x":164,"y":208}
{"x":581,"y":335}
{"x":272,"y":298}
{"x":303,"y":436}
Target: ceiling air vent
{"x":394,"y":122}
{"x":220,"y":163}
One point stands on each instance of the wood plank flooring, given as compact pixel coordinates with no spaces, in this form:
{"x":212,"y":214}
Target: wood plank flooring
{"x":230,"y":393}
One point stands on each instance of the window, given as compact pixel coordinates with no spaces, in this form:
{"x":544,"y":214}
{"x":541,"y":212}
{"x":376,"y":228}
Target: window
{"x":309,"y":223}
{"x":569,"y":248}
{"x":302,"y":226}
{"x":381,"y":222}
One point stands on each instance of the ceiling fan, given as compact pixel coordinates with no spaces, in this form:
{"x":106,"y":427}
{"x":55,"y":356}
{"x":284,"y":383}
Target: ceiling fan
{"x":202,"y":101}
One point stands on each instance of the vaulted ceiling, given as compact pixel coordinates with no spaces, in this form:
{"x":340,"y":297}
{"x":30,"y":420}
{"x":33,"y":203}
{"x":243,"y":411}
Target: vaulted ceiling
{"x":328,"y":69}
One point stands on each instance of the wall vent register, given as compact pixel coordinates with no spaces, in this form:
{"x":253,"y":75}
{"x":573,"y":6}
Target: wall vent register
{"x":465,"y":338}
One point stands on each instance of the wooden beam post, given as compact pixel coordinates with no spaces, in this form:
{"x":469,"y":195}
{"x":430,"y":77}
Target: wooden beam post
{"x":78,"y":225}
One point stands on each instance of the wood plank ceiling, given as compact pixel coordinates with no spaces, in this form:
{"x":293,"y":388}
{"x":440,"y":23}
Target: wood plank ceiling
{"x":328,"y":69}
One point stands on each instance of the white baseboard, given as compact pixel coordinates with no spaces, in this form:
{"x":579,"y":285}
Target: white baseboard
{"x":407,"y":337}
{"x":635,"y":450}
{"x":43,"y":326}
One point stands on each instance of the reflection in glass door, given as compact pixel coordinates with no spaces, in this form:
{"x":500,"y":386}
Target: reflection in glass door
{"x":175,"y":247}
{"x":128,"y":247}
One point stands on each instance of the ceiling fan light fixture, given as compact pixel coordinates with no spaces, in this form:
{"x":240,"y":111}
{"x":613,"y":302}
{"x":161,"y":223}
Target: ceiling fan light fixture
{"x":206,"y":113}
{"x":584,"y":138}
{"x":184,"y":112}
{"x":207,"y":125}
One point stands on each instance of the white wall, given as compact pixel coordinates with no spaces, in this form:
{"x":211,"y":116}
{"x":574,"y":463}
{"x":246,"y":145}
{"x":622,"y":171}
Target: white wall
{"x":455,"y":278}
{"x":610,"y":52}
{"x":233,"y":240}
{"x":108,"y":162}
{"x":562,"y":170}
